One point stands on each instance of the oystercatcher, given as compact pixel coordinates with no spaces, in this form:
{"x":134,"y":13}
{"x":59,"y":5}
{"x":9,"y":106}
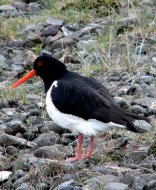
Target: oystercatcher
{"x":78,"y":103}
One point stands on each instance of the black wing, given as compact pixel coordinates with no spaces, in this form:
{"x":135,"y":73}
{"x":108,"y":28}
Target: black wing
{"x":80,"y":100}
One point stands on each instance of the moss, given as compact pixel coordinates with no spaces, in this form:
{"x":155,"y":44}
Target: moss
{"x":152,"y":149}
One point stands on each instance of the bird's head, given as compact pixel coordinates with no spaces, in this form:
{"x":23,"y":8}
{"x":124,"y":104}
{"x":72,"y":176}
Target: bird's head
{"x":45,"y":66}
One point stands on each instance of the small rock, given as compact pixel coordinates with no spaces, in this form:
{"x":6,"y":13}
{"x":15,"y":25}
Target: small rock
{"x":12,"y":140}
{"x":32,"y":37}
{"x":61,"y":43}
{"x":115,"y":186}
{"x":11,"y":150}
{"x":4,"y":175}
{"x":83,"y":44}
{"x":47,"y":139}
{"x":51,"y":126}
{"x":43,"y":186}
{"x":34,"y":8}
{"x":14,"y":127}
{"x":7,"y":8}
{"x":98,"y":182}
{"x":50,"y":152}
{"x":25,"y":186}
{"x":122,"y":102}
{"x":68,"y":185}
{"x":145,"y":102}
{"x":3,"y":62}
{"x":143,"y":124}
{"x":34,"y":112}
{"x":54,"y":22}
{"x":21,"y":180}
{"x":29,"y":136}
{"x":137,"y":109}
{"x":49,"y":31}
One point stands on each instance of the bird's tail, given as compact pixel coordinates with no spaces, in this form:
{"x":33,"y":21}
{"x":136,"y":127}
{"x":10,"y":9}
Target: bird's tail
{"x":129,"y":118}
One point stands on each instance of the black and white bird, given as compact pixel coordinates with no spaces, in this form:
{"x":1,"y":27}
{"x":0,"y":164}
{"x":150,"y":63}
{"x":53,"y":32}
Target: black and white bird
{"x":80,"y":104}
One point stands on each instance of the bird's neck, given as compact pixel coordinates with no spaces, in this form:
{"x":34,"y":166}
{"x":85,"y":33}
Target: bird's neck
{"x":48,"y":80}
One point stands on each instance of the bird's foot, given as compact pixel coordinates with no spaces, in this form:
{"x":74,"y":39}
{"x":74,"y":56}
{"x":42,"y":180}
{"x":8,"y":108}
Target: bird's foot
{"x":84,"y":156}
{"x":72,"y":159}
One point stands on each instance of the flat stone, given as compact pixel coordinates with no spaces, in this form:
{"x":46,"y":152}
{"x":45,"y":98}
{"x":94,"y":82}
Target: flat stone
{"x":49,"y":31}
{"x":3,"y":62}
{"x":50,"y":152}
{"x":21,"y":180}
{"x":47,"y":139}
{"x":54,"y":22}
{"x":4,"y":175}
{"x":115,"y":186}
{"x":68,"y":185}
{"x":99,"y":182}
{"x":143,"y":125}
{"x":25,"y":186}
{"x":7,"y":8}
{"x":61,"y":43}
{"x":12,"y":140}
{"x":145,"y":102}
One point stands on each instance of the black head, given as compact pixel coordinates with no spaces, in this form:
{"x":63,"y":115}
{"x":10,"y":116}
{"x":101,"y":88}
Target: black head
{"x":47,"y":66}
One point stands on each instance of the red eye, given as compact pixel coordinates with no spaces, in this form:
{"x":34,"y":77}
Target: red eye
{"x":40,"y":63}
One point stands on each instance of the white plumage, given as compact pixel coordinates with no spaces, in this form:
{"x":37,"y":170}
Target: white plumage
{"x":74,"y":123}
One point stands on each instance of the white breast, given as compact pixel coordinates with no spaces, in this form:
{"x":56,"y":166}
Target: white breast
{"x":76,"y":124}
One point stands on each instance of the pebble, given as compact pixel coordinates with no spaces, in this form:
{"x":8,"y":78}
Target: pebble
{"x":50,"y":152}
{"x":115,"y":186}
{"x":47,"y":139}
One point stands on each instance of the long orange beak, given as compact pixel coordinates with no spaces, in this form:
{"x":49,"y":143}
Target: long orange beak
{"x":24,"y":79}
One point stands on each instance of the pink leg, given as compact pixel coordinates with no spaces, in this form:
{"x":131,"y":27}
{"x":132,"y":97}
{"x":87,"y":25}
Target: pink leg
{"x":90,"y":149}
{"x":79,"y":150}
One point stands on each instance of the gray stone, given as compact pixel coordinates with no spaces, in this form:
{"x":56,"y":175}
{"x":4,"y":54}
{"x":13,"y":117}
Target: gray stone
{"x":9,"y":111}
{"x":91,"y":28}
{"x":25,"y":186}
{"x":34,"y":8}
{"x":7,"y":8}
{"x":83,"y":44}
{"x":143,"y":124}
{"x":122,"y":102}
{"x":3,"y":62}
{"x":145,"y":102}
{"x":29,"y":136}
{"x":51,"y":126}
{"x":54,"y":22}
{"x":21,"y":180}
{"x":49,"y":31}
{"x":115,"y":186}
{"x":99,"y":182}
{"x":50,"y":152}
{"x":47,"y":139}
{"x":150,"y":185}
{"x":127,"y":22}
{"x":61,"y":43}
{"x":147,"y":2}
{"x":15,"y":126}
{"x":68,"y":185}
{"x":4,"y":175}
{"x":32,"y":37}
{"x":42,"y":186}
{"x":12,"y":140}
{"x":66,"y":31}
{"x":11,"y":150}
{"x":137,"y":109}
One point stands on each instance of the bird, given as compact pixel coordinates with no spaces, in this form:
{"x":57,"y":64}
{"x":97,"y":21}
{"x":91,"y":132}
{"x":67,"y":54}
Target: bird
{"x":78,"y":103}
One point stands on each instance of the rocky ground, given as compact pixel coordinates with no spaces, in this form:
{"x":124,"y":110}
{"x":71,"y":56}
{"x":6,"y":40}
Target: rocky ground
{"x":116,"y":47}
